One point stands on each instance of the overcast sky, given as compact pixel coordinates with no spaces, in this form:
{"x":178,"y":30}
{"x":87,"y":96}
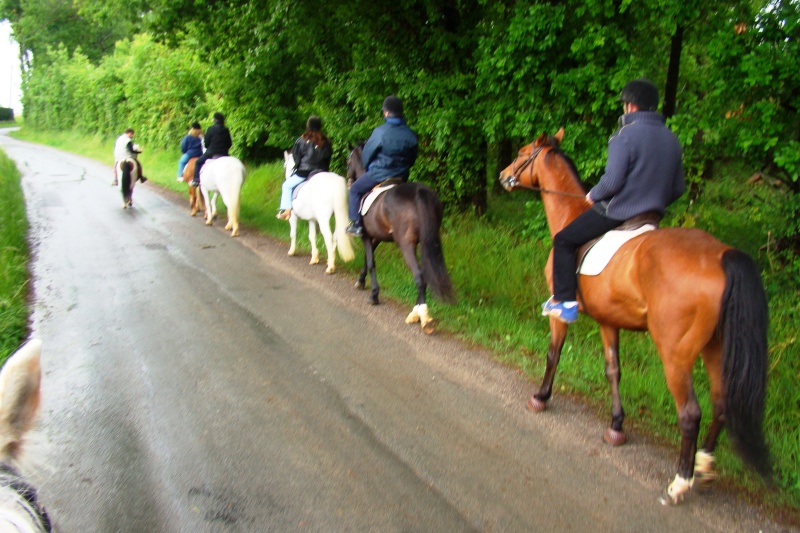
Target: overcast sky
{"x":9,"y":70}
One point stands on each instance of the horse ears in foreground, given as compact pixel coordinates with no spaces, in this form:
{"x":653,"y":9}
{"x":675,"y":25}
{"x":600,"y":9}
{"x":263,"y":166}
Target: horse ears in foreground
{"x":559,"y":135}
{"x":20,"y":380}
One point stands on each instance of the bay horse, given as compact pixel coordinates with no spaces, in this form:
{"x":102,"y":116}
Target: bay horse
{"x":320,"y":197}
{"x":694,"y":294}
{"x":408,"y":214}
{"x":20,"y":380}
{"x":128,"y":171}
{"x":195,"y":197}
{"x":222,"y":176}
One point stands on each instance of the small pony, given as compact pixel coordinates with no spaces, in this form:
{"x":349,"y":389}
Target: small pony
{"x":224,"y":177}
{"x":196,"y":202}
{"x":319,"y":197}
{"x":128,"y":171}
{"x":20,"y":381}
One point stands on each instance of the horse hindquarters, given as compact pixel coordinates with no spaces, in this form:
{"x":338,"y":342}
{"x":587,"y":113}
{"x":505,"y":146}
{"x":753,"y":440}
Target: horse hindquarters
{"x":127,"y":182}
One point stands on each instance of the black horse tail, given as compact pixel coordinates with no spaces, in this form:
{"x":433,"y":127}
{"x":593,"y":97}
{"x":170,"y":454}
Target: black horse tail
{"x":743,"y":324}
{"x":429,"y":213}
{"x":126,"y":167}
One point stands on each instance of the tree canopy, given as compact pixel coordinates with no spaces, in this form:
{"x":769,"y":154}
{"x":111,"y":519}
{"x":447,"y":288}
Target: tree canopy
{"x":478,"y":78}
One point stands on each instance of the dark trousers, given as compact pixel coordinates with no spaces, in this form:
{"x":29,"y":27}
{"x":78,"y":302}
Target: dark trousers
{"x":201,"y":160}
{"x":586,"y":227}
{"x":362,"y":186}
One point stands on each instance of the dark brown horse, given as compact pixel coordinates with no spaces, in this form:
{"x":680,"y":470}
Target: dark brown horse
{"x":408,"y":214}
{"x":694,"y":294}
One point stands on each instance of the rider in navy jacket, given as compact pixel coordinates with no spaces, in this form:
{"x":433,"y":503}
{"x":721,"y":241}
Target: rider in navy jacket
{"x":389,"y":153}
{"x":643,"y":173}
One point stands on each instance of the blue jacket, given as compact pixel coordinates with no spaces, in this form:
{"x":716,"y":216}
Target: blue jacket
{"x":644,"y":170}
{"x":390,"y":151}
{"x":192,"y":146}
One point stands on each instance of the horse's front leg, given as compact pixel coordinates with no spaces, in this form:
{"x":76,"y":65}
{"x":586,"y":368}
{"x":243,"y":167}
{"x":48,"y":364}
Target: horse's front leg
{"x":558,"y":334}
{"x":614,"y":434}
{"x":369,"y":259}
{"x":293,"y":234}
{"x":211,"y":206}
{"x":312,"y":238}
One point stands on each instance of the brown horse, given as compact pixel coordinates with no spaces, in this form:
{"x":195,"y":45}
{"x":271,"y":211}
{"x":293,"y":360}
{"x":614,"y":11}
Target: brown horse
{"x":408,"y":214}
{"x":195,"y":198}
{"x":694,"y":294}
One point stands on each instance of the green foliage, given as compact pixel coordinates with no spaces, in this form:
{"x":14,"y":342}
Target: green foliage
{"x":13,"y":260}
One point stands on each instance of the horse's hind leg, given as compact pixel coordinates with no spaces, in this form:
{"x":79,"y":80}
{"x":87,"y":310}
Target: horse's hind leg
{"x":614,"y":435}
{"x":558,"y":334}
{"x":330,"y":245}
{"x":679,"y":380}
{"x":704,"y":472}
{"x":312,"y":239}
{"x":420,"y":311}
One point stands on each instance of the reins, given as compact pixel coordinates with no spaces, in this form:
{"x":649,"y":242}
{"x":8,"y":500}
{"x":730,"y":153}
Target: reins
{"x":529,"y":161}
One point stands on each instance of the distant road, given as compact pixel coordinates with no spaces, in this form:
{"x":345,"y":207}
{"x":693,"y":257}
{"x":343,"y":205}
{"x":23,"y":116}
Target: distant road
{"x":195,"y":382}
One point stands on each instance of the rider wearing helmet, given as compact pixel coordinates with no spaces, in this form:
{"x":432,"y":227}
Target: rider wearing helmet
{"x":643,"y":174}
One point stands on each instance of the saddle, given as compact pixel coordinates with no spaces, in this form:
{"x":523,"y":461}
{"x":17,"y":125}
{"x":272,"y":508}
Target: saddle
{"x":376,"y":191}
{"x":302,"y":184}
{"x":595,"y":254}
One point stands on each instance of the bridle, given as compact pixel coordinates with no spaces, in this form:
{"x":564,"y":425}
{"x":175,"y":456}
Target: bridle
{"x":512,"y":181}
{"x":9,"y":477}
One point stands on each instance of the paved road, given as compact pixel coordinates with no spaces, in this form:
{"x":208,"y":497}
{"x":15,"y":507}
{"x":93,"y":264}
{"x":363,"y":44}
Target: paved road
{"x":195,"y":382}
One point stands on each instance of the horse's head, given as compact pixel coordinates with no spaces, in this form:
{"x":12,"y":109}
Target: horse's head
{"x":20,"y":381}
{"x":523,"y":172}
{"x":355,"y":166}
{"x":288,"y":164}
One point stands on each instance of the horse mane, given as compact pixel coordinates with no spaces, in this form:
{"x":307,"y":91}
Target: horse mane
{"x":555,"y":149}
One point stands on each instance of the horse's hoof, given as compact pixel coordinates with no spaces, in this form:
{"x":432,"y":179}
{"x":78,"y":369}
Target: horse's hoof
{"x":330,"y":270}
{"x":614,"y":437}
{"x":314,"y":262}
{"x":429,"y":327}
{"x":536,"y":405}
{"x":373,"y":301}
{"x":360,"y":285}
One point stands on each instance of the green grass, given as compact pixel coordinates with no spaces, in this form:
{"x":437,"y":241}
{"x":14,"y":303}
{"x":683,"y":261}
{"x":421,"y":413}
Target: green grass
{"x":14,"y":256}
{"x":496,"y":265}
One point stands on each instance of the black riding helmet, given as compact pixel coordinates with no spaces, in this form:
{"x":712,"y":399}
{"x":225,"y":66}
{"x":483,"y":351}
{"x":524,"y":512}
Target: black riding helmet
{"x":642,"y":93}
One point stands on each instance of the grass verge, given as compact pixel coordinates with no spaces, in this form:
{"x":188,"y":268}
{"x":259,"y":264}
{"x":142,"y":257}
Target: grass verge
{"x":14,"y":256}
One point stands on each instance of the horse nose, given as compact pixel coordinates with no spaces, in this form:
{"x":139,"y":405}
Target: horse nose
{"x":507,"y":181}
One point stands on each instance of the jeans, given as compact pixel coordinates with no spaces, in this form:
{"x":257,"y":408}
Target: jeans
{"x":182,"y":164}
{"x":586,"y":227}
{"x":287,"y":188}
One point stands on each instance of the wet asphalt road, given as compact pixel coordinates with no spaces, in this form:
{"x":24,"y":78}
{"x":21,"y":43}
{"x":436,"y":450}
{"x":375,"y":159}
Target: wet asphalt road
{"x":195,"y":382}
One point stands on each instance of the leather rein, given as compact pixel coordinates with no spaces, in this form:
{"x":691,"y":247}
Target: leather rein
{"x":512,"y":180}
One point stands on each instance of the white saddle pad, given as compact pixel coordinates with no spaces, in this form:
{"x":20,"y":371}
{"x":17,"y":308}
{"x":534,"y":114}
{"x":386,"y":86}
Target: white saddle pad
{"x":373,"y":195}
{"x":601,"y":253}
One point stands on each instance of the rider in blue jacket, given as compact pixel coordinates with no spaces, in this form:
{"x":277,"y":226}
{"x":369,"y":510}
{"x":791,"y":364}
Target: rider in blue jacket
{"x":643,"y":174}
{"x":389,"y":153}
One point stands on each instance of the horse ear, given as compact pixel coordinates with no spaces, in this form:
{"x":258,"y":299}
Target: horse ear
{"x":559,"y":135}
{"x":20,"y":381}
{"x":540,"y":140}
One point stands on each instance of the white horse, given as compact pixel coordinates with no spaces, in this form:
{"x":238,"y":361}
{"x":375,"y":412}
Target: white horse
{"x":223,"y":177}
{"x":128,"y":172}
{"x":321,"y":196}
{"x":20,"y":380}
